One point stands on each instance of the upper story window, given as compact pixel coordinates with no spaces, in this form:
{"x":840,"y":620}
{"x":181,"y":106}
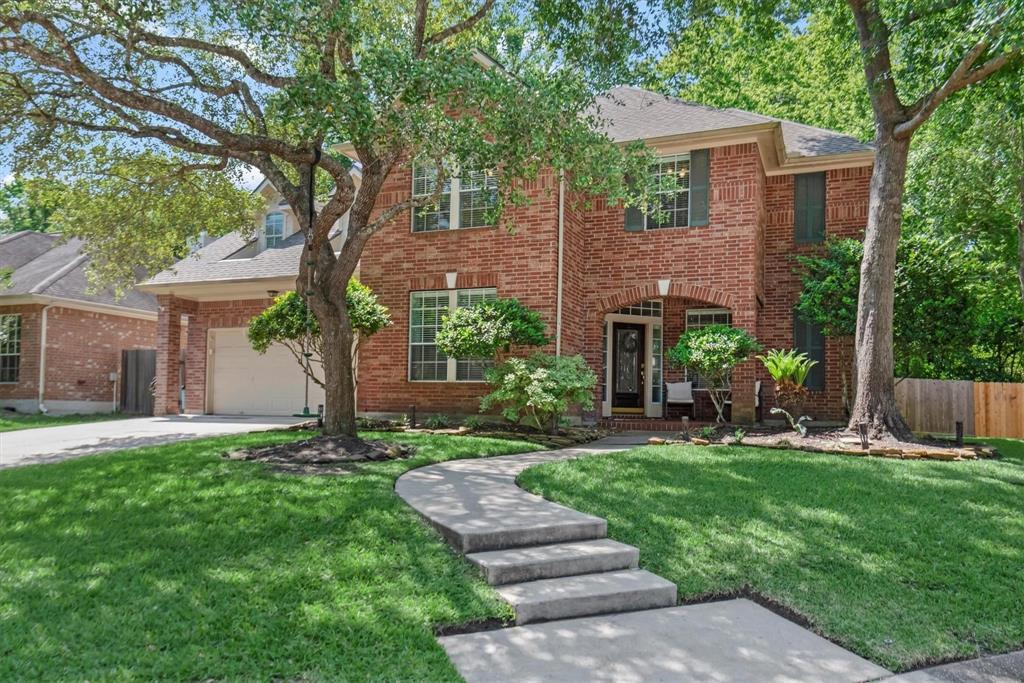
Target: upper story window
{"x":672,"y":178}
{"x":10,"y":348}
{"x":273,"y":229}
{"x":682,"y":182}
{"x":466,"y":199}
{"x":426,"y":361}
{"x":809,"y":207}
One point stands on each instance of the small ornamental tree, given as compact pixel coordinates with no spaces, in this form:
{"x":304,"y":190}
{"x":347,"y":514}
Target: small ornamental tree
{"x":289,"y":322}
{"x":540,"y":389}
{"x":713,"y":352}
{"x":489,"y":327}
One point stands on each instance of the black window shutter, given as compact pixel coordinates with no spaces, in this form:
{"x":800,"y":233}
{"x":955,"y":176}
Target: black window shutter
{"x":809,"y":207}
{"x":807,"y":338}
{"x":634,"y":219}
{"x":700,"y":166}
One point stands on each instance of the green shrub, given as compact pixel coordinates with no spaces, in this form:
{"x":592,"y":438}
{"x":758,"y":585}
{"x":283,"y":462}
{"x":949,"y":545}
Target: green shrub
{"x":485,"y":328}
{"x":738,"y":436}
{"x":473,"y":422}
{"x":713,"y":352}
{"x":708,"y":432}
{"x":540,"y":389}
{"x":437,"y":422}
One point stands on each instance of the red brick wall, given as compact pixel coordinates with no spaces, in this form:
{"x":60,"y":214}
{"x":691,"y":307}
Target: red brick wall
{"x":739,"y":261}
{"x":83,"y":348}
{"x":846,"y":194}
{"x":27,"y":387}
{"x":397,"y":262}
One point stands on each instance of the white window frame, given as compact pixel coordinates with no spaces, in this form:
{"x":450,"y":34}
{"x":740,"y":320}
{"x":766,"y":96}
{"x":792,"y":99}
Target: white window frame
{"x":676,"y":158}
{"x":453,"y":303}
{"x":687,"y":328}
{"x":6,"y":345}
{"x":454,"y":201}
{"x":284,"y":229}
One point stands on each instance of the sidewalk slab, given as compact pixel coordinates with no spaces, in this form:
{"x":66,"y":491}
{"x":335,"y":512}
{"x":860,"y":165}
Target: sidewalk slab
{"x":721,"y":642}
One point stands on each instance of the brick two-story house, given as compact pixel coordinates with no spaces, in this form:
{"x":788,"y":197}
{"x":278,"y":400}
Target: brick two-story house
{"x":612,"y":284}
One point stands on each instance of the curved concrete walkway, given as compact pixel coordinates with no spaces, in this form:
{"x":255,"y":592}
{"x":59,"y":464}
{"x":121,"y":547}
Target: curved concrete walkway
{"x":606,"y":620}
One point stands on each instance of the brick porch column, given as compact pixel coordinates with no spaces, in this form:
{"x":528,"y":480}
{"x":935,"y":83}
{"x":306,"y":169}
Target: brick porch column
{"x":168,"y":350}
{"x":743,"y":410}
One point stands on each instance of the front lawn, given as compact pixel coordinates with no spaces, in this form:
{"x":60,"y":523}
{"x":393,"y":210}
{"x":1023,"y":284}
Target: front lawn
{"x":10,"y":422}
{"x":903,"y":562}
{"x":171,"y":563}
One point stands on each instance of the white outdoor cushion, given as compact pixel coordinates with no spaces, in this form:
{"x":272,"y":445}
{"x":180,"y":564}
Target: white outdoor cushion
{"x":680,"y":392}
{"x":757,"y":394}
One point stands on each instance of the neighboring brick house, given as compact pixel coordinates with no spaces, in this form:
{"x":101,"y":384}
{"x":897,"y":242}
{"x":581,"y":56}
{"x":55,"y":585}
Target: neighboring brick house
{"x":60,"y":343}
{"x":613,"y":285}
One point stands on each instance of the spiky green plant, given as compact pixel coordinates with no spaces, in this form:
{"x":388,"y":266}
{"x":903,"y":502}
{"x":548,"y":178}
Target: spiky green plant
{"x":787,"y":365}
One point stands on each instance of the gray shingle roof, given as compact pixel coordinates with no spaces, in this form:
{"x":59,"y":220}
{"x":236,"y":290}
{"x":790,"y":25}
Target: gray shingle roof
{"x":632,"y":113}
{"x":45,"y":265}
{"x":212,"y":263}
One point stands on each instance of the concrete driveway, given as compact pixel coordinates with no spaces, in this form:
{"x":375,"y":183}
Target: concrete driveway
{"x":53,"y":444}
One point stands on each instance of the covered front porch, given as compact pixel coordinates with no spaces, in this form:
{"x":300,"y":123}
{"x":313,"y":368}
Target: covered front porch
{"x":638,"y":389}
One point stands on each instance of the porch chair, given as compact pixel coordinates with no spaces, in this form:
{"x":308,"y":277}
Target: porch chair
{"x":679,"y":393}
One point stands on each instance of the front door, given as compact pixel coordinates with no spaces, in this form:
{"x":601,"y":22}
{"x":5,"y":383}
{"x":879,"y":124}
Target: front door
{"x":628,"y":354}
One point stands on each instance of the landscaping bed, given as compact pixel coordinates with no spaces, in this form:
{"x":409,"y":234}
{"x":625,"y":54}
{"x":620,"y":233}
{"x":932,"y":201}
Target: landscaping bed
{"x":322,"y":454}
{"x":907,"y":563}
{"x":837,"y":440}
{"x":173,"y":563}
{"x":565,"y":437}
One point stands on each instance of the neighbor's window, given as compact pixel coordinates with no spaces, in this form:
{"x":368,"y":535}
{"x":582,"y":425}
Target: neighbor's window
{"x":427,"y":363}
{"x":466,"y":199}
{"x":672,"y":178}
{"x":702,"y":317}
{"x":10,"y":348}
{"x":273,"y":229}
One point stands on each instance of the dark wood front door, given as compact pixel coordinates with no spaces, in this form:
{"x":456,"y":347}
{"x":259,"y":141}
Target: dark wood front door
{"x":628,"y":353}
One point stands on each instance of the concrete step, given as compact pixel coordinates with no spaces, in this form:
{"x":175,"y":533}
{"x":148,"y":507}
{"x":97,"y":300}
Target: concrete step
{"x":564,"y":526}
{"x":579,"y":596}
{"x":517,"y":565}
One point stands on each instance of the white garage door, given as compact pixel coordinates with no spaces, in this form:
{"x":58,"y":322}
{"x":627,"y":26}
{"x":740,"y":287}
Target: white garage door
{"x":243,"y":382}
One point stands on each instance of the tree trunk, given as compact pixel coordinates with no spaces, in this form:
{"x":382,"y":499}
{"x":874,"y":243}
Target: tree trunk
{"x":1020,"y":235}
{"x":339,"y":371}
{"x":875,"y":401}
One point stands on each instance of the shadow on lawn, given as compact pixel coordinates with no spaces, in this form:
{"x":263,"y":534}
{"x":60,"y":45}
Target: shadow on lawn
{"x":903,"y":562}
{"x":181,"y":565}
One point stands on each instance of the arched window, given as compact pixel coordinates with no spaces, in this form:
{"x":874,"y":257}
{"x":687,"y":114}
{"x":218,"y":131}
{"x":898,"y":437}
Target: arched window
{"x":273,"y":229}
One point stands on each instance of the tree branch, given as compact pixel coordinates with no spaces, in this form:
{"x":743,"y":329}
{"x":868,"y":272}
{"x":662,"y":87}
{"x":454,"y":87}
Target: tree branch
{"x":420,"y":28}
{"x":873,"y":35}
{"x":963,"y":75}
{"x":464,"y":25}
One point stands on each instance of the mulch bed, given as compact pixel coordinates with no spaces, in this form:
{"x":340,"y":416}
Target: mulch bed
{"x":841,"y":441}
{"x":323,"y":454}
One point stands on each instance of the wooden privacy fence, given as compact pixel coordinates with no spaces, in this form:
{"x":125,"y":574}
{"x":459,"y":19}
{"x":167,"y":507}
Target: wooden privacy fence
{"x":138,"y":368}
{"x":985,"y":408}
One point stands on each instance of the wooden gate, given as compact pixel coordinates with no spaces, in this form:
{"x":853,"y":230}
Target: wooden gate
{"x":138,"y":370}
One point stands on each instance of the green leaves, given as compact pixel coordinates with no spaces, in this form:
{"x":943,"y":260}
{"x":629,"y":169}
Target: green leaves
{"x":789,"y":366}
{"x":484,"y":329}
{"x":713,"y":351}
{"x":541,"y":388}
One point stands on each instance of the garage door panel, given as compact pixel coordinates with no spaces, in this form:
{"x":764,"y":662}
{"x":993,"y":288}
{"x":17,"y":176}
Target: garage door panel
{"x":244,"y":382}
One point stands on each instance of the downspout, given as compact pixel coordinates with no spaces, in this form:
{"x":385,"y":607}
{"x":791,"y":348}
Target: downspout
{"x":561,"y":252}
{"x":42,"y":358}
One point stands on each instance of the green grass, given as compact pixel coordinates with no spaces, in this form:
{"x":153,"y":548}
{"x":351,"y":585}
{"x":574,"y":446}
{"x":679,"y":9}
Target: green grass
{"x":171,"y":563}
{"x":903,"y":562}
{"x":10,"y":422}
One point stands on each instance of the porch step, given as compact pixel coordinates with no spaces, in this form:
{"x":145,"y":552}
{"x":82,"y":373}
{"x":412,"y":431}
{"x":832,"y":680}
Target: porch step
{"x":517,"y":565}
{"x":580,"y":596}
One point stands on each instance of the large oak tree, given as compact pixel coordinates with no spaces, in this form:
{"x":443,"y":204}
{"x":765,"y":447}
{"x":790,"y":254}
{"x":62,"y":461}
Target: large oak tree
{"x":276,"y":85}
